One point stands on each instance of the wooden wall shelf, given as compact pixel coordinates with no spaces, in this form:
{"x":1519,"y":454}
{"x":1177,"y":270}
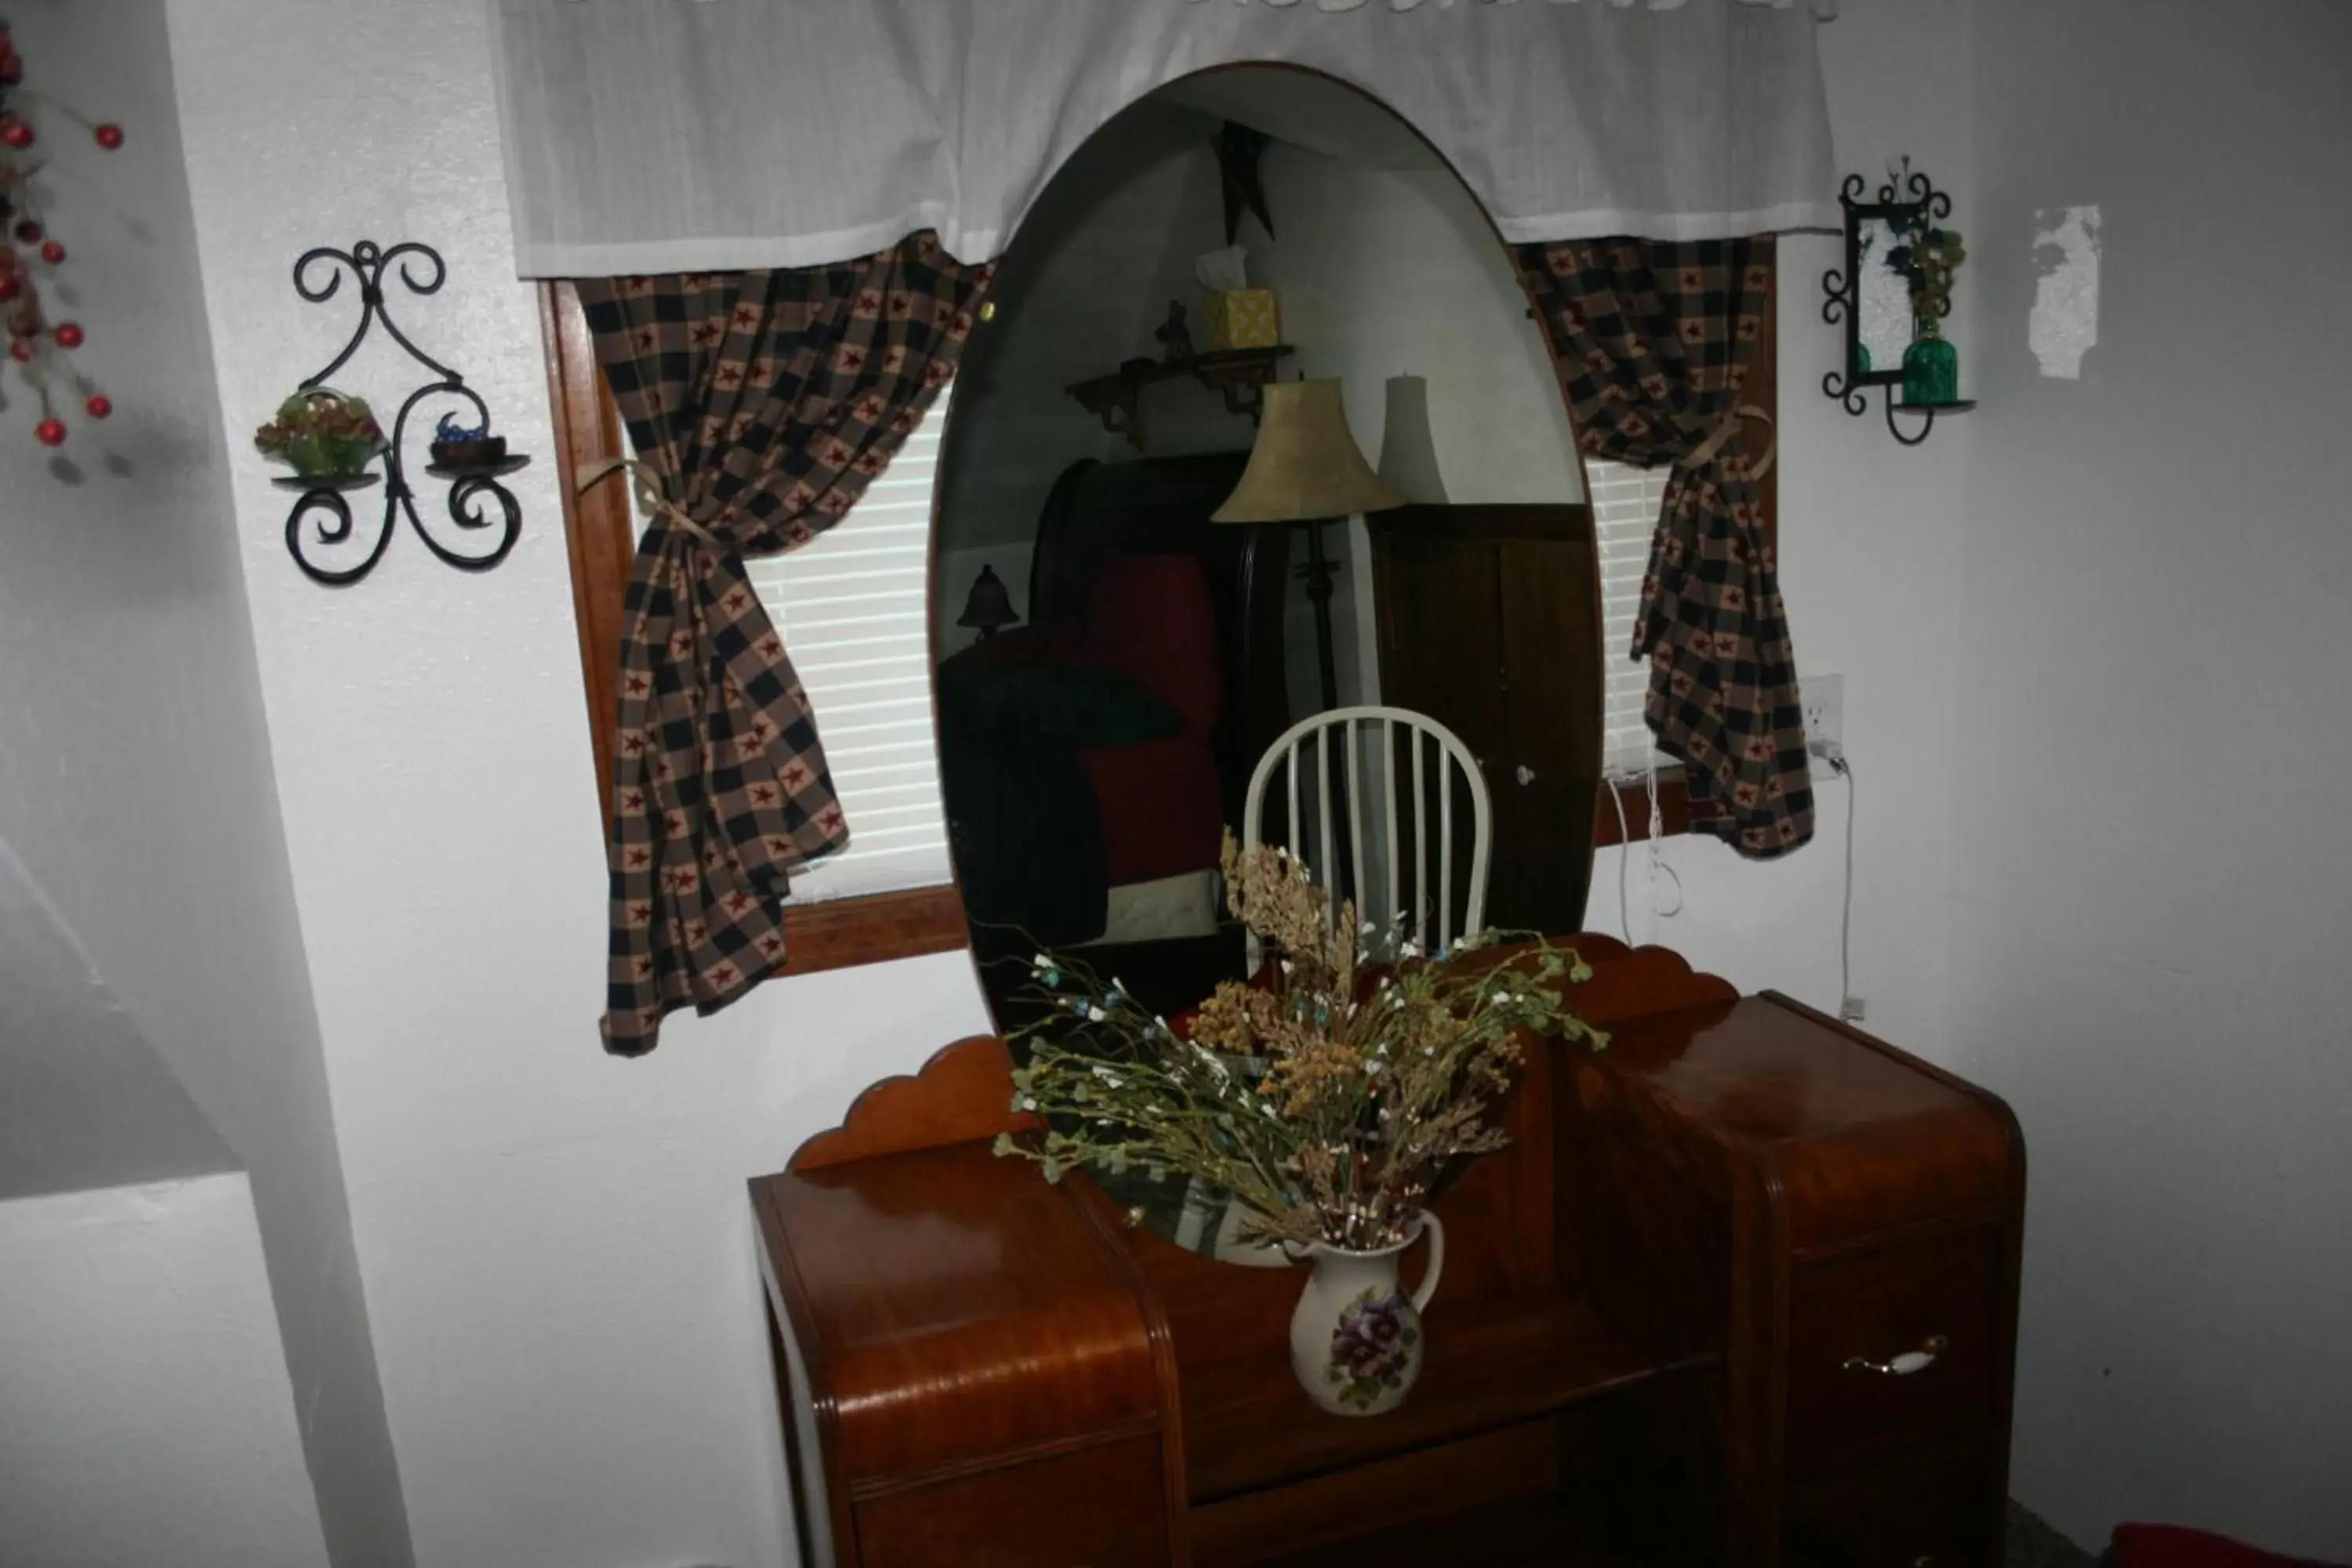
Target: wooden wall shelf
{"x":1117,"y":399}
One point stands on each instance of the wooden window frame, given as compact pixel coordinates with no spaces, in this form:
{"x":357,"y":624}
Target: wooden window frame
{"x":601,"y":534}
{"x":1763,"y":389}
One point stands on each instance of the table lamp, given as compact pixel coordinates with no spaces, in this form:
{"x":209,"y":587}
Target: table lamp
{"x":989,"y":606}
{"x":1306,"y":467}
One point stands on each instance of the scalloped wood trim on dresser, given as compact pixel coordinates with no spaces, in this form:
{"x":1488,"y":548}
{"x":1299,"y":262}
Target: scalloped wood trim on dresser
{"x":965,"y":1091}
{"x":1632,"y":982}
{"x":962,"y":1094}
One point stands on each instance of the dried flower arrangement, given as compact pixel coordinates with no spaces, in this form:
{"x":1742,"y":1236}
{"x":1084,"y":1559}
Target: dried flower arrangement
{"x":1329,"y":1099}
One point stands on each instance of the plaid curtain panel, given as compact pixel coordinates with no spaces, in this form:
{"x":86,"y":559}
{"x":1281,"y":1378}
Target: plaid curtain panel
{"x":763,"y":403}
{"x":1651,"y":339}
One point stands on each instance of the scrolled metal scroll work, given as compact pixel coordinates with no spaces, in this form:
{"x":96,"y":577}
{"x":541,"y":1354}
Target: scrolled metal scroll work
{"x":481,"y":507}
{"x":1834,"y":385}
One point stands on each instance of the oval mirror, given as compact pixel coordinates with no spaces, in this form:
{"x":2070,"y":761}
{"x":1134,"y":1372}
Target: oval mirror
{"x":1259,"y":280}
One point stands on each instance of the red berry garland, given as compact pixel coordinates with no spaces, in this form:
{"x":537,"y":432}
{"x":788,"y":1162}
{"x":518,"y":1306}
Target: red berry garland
{"x":40,"y":350}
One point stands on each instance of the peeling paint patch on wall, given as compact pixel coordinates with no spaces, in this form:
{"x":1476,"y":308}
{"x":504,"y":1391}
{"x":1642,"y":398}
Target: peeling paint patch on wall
{"x":2065,"y":321}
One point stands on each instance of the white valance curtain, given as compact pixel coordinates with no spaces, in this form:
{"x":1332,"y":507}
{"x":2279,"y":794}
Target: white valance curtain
{"x":646,"y":136}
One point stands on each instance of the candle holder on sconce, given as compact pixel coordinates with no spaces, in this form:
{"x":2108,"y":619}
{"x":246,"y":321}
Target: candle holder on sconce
{"x":470,"y":458}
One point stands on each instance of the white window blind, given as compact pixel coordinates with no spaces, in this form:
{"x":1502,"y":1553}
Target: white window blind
{"x":1626,"y":502}
{"x":855,"y":608}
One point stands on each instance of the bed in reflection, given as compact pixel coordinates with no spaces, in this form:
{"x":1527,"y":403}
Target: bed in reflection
{"x":1092,"y":757}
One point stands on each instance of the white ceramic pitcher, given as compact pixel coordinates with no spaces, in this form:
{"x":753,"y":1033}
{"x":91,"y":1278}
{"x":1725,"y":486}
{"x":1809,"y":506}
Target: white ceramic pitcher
{"x":1356,"y":1339}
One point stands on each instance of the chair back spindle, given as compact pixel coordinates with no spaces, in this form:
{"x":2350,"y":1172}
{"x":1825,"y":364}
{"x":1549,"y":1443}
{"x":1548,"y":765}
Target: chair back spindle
{"x":1347,"y":862}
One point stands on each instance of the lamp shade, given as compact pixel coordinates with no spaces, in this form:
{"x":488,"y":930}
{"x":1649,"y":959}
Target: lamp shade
{"x":989,"y":605}
{"x":1408,"y":446}
{"x":1306,"y":464}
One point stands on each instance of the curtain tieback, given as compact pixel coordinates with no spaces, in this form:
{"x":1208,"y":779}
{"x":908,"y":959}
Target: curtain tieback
{"x":647,"y":485}
{"x":1728,"y":431}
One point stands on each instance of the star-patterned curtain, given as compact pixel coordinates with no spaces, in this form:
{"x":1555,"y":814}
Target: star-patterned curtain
{"x":761,"y":404}
{"x":1653,"y":339}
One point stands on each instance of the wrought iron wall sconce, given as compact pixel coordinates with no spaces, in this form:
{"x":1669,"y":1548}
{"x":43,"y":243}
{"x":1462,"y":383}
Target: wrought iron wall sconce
{"x":1873,"y":299}
{"x":471,"y":460}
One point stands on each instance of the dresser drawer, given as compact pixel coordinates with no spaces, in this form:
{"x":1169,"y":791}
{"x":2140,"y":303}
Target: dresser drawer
{"x":1891,"y":1347}
{"x":1936,"y":1515}
{"x":1104,"y":1507}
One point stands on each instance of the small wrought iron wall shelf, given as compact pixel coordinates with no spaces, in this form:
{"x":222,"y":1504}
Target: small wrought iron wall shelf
{"x":472,"y":466}
{"x":1905,"y":199}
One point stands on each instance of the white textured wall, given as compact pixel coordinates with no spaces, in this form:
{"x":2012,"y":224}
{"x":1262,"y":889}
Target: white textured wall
{"x":84,"y":1100}
{"x":556,"y":1244}
{"x":135,"y":769}
{"x":145,"y":1412}
{"x":2149,"y":914}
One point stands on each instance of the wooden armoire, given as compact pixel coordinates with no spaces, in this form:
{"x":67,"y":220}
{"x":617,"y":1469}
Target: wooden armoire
{"x":1487,"y":623}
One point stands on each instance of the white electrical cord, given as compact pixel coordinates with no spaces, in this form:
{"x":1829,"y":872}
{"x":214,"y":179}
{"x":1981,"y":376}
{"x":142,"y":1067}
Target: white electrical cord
{"x":1835,"y":757}
{"x":1845,"y":926}
{"x":1658,"y":852}
{"x":1613,"y":781}
{"x":1624,"y":850}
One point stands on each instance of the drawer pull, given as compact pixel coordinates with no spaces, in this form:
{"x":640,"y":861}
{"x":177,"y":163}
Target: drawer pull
{"x":1905,"y":1364}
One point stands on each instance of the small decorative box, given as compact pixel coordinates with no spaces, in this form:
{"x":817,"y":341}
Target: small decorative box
{"x":1242,"y":318}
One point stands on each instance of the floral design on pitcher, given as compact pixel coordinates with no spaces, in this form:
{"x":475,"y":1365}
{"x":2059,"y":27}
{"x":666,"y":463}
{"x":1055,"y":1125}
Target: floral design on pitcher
{"x":1373,"y":1348}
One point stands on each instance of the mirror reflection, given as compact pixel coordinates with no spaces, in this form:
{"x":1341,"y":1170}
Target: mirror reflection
{"x":1884,"y":320}
{"x":1258,"y":429}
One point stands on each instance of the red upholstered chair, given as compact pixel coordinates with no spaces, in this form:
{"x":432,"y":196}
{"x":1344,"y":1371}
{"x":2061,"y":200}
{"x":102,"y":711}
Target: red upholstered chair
{"x":1151,"y":620}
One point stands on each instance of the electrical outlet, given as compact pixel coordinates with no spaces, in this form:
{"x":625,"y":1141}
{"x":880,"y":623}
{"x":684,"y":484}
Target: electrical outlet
{"x":1851,"y":1013}
{"x":1824,"y":704}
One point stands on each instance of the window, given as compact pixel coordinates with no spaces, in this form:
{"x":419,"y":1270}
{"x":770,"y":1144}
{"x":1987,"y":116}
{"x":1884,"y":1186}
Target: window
{"x":838,"y":916}
{"x":855,"y":608}
{"x":1625,"y":504}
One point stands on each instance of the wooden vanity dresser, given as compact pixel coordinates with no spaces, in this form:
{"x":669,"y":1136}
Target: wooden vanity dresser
{"x":1743,"y":1290}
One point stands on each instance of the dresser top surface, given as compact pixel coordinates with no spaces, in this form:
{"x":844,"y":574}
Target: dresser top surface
{"x":953,"y":1307}
{"x":1764,"y":1069}
{"x":922,"y":1244}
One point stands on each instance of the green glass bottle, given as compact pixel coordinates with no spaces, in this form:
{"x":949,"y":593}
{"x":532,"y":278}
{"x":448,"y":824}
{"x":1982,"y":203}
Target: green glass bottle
{"x":1931,"y":368}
